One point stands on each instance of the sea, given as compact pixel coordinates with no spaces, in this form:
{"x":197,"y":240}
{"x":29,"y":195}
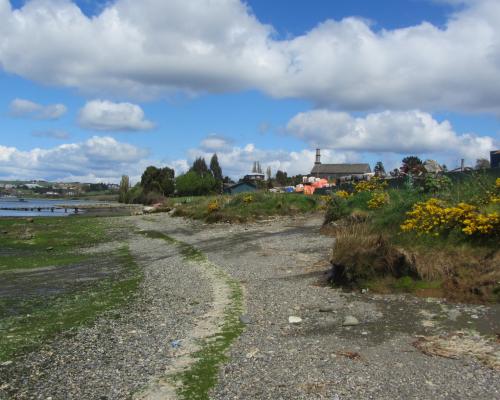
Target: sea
{"x":14,"y":202}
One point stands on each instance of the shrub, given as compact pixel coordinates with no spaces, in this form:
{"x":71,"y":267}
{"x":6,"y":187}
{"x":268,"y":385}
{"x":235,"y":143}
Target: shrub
{"x":248,"y":199}
{"x":359,"y":256}
{"x":373,"y":185}
{"x":433,"y":184}
{"x":213,"y":206}
{"x":342,"y":194}
{"x":433,"y":217}
{"x":337,"y":209}
{"x":378,"y":200}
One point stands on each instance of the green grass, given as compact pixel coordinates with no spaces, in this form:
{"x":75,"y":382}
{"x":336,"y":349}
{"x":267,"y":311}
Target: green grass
{"x":42,"y":318}
{"x":235,"y":209}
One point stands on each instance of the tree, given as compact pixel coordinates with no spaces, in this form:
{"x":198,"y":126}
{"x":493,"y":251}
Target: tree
{"x":269,"y":173}
{"x":482,"y":163}
{"x":124,"y":188}
{"x":215,"y":168}
{"x":412,"y":164}
{"x":379,"y":169}
{"x":194,"y":184}
{"x":281,"y":178}
{"x":199,"y":166}
{"x":158,"y":180}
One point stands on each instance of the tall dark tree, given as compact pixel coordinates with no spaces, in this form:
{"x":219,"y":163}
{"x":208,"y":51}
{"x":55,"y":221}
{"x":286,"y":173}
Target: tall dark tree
{"x":215,"y":168}
{"x":124,"y":188}
{"x":379,"y":169}
{"x":199,"y":166}
{"x":159,"y":180}
{"x":411,"y":164}
{"x":281,"y":178}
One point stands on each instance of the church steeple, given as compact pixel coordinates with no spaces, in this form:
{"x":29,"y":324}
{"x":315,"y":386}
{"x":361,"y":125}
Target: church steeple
{"x":318,"y":157}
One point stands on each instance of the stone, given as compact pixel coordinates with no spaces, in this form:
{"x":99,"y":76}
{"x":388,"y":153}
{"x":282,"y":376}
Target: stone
{"x":245,"y":319}
{"x":349,"y":320}
{"x":454,"y":314}
{"x":326,"y":309}
{"x":294,"y":320}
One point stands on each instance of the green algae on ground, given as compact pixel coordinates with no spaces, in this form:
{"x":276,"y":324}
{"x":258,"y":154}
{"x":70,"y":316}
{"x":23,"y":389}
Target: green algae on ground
{"x":44,"y":317}
{"x":202,"y":375}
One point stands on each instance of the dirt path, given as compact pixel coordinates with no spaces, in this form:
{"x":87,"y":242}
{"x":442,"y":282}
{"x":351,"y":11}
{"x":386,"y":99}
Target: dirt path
{"x":278,"y":263}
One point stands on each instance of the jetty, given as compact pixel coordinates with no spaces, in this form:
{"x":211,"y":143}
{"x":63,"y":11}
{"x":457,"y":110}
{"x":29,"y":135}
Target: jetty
{"x":76,"y":208}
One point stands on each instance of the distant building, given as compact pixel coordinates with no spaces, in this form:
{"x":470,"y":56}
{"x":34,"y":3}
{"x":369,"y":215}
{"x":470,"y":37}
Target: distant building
{"x":256,"y":174}
{"x":242,"y":187}
{"x":253,"y":177}
{"x":335,"y":171}
{"x":495,"y":159}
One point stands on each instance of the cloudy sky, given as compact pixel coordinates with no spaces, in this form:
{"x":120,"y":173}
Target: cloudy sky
{"x":93,"y":89}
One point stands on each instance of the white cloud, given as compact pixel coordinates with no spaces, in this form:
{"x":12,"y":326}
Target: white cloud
{"x":107,"y":116}
{"x":155,"y":48}
{"x":237,"y":161}
{"x":28,"y":109}
{"x":215,"y":143}
{"x":390,"y":131}
{"x":96,"y":159}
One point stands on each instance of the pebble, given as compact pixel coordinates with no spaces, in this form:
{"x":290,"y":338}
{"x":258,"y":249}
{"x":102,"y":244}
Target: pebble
{"x":245,"y":319}
{"x":349,"y":320}
{"x":294,"y":320}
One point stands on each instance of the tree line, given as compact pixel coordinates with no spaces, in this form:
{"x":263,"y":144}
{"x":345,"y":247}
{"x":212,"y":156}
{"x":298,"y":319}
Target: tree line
{"x":157,"y":183}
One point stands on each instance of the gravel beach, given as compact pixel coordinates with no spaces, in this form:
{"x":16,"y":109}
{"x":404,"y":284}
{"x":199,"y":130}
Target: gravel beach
{"x":302,"y":340}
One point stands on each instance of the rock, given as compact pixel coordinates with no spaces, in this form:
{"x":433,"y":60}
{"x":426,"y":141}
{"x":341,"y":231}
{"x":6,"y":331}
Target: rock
{"x":49,"y":248}
{"x":30,"y":220}
{"x":349,"y":320}
{"x":326,"y":309}
{"x":245,"y":319}
{"x":454,"y":314}
{"x":294,"y":320}
{"x":148,"y":209}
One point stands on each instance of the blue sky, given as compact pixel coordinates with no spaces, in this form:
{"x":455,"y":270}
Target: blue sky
{"x":91,"y":90}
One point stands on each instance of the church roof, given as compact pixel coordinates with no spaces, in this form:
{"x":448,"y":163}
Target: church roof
{"x":347,"y":169}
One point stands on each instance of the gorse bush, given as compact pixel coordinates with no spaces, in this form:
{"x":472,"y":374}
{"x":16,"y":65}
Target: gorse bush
{"x":434,"y":217}
{"x":378,"y":200}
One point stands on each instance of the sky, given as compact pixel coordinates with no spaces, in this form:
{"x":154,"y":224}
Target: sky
{"x":92,"y":89}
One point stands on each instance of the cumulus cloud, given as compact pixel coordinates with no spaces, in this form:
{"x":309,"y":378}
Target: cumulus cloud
{"x":237,"y":161}
{"x":96,"y":159}
{"x":389,"y":131}
{"x":22,"y":108}
{"x":215,"y":143}
{"x":102,"y":115}
{"x":155,"y":48}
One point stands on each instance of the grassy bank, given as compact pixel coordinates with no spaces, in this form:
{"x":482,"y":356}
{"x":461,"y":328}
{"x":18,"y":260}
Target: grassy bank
{"x":245,"y":206}
{"x":49,"y":286}
{"x":431,"y":242}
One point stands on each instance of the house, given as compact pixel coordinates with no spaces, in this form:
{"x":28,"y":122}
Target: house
{"x":495,"y":159}
{"x":242,"y":187}
{"x":254,"y":176}
{"x":336,"y":171}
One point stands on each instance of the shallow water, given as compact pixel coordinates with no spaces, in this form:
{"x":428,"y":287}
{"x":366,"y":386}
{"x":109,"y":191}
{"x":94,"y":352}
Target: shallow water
{"x":14,"y":202}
